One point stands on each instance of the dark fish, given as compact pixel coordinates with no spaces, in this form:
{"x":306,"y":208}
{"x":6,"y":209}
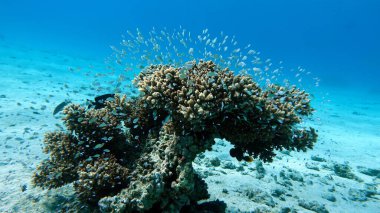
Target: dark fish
{"x":60,"y":106}
{"x":100,"y":101}
{"x":24,"y":187}
{"x":237,"y":153}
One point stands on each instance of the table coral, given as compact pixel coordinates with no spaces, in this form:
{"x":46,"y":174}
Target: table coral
{"x":136,"y":154}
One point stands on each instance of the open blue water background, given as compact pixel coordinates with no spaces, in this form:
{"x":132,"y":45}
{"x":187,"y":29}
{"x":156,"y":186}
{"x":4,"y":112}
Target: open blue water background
{"x":336,"y":40}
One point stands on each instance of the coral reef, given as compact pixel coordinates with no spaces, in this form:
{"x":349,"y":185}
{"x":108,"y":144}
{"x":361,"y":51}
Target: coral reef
{"x":136,"y":154}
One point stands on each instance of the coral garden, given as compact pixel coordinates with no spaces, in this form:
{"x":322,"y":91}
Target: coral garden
{"x":135,"y":154}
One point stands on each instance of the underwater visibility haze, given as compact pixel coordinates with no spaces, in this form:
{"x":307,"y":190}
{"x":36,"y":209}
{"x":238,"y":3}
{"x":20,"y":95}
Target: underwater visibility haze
{"x":189,"y":106}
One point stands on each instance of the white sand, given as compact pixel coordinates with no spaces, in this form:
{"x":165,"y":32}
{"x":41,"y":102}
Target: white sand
{"x":34,"y":82}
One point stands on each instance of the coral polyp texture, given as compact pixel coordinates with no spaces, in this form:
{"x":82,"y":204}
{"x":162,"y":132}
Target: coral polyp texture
{"x":136,"y":154}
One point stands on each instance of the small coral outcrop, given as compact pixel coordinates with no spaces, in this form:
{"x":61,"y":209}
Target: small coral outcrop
{"x":136,"y":154}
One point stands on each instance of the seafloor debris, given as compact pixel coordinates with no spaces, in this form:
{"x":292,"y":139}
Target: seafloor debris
{"x":344,"y":171}
{"x":136,"y":154}
{"x":313,"y":206}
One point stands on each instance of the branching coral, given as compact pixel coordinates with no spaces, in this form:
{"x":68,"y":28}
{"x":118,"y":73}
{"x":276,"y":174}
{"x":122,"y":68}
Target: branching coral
{"x":100,"y":178}
{"x":136,"y":154}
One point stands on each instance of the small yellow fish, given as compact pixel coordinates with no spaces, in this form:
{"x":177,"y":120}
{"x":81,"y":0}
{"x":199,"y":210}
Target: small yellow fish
{"x":248,"y":159}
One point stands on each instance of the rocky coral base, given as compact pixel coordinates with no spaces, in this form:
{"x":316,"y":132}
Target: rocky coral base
{"x":287,"y":185}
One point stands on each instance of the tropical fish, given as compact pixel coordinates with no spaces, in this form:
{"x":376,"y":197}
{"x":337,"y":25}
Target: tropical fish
{"x":248,"y":159}
{"x":60,"y":106}
{"x":100,"y":101}
{"x":178,"y":46}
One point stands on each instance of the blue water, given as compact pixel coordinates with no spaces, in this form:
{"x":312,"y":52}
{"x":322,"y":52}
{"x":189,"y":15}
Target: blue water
{"x":337,"y":41}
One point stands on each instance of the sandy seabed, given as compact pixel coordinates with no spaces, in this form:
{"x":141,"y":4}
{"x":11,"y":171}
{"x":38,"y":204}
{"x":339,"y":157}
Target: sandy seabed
{"x":341,"y":173}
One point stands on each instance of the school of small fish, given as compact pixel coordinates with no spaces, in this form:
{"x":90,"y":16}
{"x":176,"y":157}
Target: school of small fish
{"x":178,"y":46}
